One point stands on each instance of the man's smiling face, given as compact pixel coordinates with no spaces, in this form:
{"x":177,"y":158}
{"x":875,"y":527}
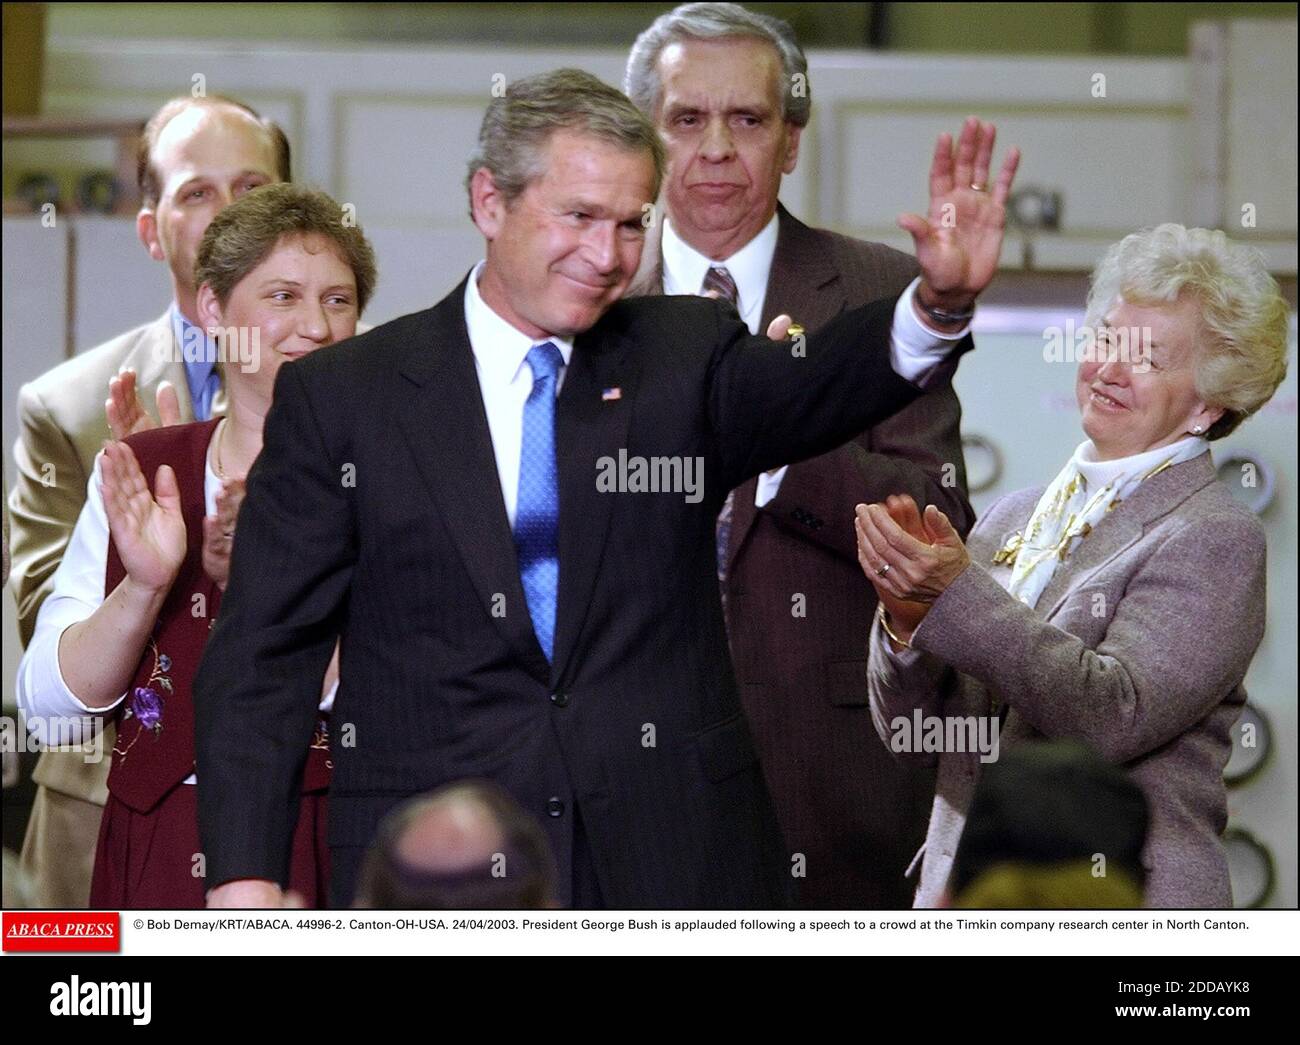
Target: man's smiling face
{"x":568,"y":246}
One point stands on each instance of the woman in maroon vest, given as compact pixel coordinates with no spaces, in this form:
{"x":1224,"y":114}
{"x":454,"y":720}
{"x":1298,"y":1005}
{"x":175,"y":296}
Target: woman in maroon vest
{"x":280,"y":274}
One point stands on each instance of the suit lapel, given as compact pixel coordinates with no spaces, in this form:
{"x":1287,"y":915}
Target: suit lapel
{"x":1121,"y":528}
{"x":157,"y":358}
{"x":743,"y":515}
{"x":804,"y":282}
{"x":805,"y":285}
{"x":445,"y":423}
{"x":592,"y":418}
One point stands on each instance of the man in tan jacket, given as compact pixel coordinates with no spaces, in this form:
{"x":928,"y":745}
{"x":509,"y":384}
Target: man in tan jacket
{"x":196,"y":156}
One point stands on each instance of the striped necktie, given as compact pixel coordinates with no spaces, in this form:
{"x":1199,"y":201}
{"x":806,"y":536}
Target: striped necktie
{"x":537,"y":512}
{"x":718,"y":283}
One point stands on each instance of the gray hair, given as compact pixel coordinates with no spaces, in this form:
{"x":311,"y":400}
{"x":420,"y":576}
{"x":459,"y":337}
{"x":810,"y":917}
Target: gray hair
{"x":714,"y":22}
{"x":1240,"y":354}
{"x":517,"y":126}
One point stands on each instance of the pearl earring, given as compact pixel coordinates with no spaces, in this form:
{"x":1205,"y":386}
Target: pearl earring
{"x":1197,"y":429}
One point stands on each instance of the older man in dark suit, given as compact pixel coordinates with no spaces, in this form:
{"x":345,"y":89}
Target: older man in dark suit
{"x":711,"y":76}
{"x":505,"y":506}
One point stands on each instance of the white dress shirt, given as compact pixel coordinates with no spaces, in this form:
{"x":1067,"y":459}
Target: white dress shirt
{"x":685,"y":268}
{"x":914,"y":348}
{"x":505,"y":380}
{"x":42,"y":692}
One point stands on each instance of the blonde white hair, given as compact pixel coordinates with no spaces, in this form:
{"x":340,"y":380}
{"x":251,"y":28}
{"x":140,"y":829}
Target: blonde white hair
{"x":1239,"y":357}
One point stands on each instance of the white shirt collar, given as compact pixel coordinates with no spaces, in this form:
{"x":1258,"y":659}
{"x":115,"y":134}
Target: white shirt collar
{"x":1099,"y":473}
{"x":499,"y":348}
{"x":684,"y":266}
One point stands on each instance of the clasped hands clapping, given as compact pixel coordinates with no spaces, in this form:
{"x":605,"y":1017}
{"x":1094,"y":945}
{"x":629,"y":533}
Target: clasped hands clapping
{"x":910,"y":558}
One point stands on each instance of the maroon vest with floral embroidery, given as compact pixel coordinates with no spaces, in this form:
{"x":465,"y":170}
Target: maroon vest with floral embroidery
{"x":155,"y":723}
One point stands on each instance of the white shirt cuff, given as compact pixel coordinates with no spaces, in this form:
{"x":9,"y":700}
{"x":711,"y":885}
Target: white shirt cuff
{"x":327,"y":701}
{"x":914,"y":349}
{"x":769,"y":485}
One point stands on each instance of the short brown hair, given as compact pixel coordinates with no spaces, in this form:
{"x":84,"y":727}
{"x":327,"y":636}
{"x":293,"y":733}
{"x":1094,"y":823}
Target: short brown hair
{"x":518,"y":125}
{"x":243,"y":235}
{"x":145,"y":175}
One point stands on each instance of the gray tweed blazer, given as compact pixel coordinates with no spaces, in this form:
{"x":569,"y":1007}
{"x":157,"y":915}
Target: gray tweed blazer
{"x":1138,"y":646}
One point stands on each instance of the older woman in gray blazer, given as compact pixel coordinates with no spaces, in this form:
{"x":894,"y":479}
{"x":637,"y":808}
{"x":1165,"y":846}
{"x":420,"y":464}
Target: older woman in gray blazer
{"x":1121,"y":605}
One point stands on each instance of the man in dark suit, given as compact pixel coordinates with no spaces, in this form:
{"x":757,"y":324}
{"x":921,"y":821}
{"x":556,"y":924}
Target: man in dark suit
{"x":798,"y":607}
{"x":524,"y":581}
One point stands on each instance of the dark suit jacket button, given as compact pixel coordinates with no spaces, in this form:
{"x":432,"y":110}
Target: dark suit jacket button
{"x":554,"y":807}
{"x":560,"y":699}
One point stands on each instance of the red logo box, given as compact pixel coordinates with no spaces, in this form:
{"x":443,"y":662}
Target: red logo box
{"x":62,"y":931}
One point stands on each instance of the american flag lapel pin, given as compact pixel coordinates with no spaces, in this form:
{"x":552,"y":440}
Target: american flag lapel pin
{"x":609,"y":395}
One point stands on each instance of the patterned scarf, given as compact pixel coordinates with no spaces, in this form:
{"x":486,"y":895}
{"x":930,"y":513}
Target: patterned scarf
{"x":1075,"y":501}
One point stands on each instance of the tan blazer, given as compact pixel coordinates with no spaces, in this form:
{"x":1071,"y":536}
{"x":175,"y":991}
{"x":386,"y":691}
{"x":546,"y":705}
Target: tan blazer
{"x":61,"y":428}
{"x":1138,"y":646}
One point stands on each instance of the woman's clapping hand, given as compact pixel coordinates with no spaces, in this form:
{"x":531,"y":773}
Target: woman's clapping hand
{"x":219,"y":531}
{"x":147,"y":528}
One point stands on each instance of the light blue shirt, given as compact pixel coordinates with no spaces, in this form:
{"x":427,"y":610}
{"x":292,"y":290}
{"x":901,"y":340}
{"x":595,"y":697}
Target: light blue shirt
{"x":199,"y":353}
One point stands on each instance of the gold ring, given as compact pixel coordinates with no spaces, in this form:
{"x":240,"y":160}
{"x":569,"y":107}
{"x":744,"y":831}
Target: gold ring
{"x":978,"y":188}
{"x":883,"y":570}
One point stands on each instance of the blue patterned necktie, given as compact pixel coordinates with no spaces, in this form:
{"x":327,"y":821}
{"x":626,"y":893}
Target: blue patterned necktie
{"x":537,"y":512}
